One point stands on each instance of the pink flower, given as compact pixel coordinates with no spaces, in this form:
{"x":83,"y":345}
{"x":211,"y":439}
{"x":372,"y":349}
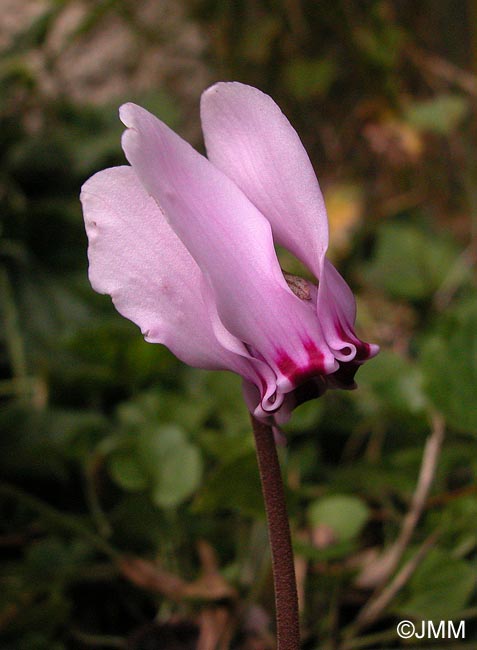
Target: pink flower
{"x":184,"y":245}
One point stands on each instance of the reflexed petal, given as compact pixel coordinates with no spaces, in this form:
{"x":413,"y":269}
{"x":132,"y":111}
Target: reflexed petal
{"x":336,"y":308}
{"x":137,"y":259}
{"x":231,"y":241}
{"x":278,"y":417}
{"x":266,"y":381}
{"x":250,"y":139}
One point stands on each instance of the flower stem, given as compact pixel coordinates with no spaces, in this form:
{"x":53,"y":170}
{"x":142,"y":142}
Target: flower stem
{"x":286,"y":599}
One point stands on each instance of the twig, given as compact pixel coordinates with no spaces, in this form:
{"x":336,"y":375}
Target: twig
{"x":384,"y":567}
{"x":454,"y":278}
{"x":444,"y":70}
{"x":216,"y":628}
{"x":151,"y":577}
{"x":286,"y":599}
{"x":377,"y":604}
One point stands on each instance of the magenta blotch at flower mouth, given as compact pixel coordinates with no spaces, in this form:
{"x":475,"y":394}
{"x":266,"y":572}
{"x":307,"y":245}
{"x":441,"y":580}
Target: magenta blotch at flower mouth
{"x":184,"y":245}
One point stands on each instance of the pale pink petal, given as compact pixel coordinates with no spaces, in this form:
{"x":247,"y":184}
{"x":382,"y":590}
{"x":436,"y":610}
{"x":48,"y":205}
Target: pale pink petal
{"x":248,"y":137}
{"x":231,"y":241}
{"x":138,"y":260}
{"x":253,"y":143}
{"x":336,"y":308}
{"x":265,"y":396}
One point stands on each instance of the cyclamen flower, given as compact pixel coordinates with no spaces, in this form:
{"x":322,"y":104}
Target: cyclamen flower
{"x":184,"y":245}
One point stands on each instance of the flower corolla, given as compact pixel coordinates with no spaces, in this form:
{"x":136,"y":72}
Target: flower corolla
{"x":185,"y":246}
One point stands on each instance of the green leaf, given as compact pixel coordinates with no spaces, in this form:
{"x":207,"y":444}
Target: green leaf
{"x":126,"y":471}
{"x":330,"y":553}
{"x":410,"y":263}
{"x":379,"y":481}
{"x":137,"y":524}
{"x":226,"y":447}
{"x":234,"y":486}
{"x":159,"y":459}
{"x":391,"y":385}
{"x":179,"y":476}
{"x":173,"y":465}
{"x":345,"y":515}
{"x":449,"y":362}
{"x":441,"y":114}
{"x":306,"y":416}
{"x":307,"y":78}
{"x":256,"y":44}
{"x":227,"y":402}
{"x":51,"y":561}
{"x":380,"y":45}
{"x":439,"y":588}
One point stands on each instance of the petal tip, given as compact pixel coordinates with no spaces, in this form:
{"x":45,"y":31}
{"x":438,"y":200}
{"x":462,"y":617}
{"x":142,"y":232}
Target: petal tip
{"x":373,"y":350}
{"x":129,"y":112}
{"x":222,"y":87}
{"x":218,"y":85}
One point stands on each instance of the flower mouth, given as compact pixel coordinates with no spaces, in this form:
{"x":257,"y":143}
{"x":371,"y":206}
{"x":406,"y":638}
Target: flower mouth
{"x":300,"y":287}
{"x":346,"y":353}
{"x":270,"y":397}
{"x":293,"y":374}
{"x":273,"y":402}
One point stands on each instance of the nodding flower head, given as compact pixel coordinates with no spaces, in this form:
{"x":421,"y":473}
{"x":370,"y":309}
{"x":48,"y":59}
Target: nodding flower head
{"x":184,"y":245}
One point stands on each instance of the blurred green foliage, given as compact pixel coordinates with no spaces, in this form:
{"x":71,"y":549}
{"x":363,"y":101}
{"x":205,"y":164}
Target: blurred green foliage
{"x":111,"y":447}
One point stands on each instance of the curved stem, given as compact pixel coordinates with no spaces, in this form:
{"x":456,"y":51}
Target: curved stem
{"x":286,"y":599}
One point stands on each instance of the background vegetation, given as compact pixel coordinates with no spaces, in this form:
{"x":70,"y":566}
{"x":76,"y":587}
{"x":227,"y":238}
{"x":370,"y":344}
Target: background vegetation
{"x":131,"y":507}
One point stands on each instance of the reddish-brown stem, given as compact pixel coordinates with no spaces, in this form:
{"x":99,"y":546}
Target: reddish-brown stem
{"x":286,"y":599}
